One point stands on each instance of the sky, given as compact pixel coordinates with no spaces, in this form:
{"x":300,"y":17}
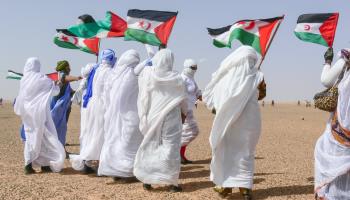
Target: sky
{"x":292,"y":68}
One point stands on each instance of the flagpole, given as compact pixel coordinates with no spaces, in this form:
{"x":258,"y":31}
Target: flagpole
{"x":268,"y":45}
{"x":99,"y":40}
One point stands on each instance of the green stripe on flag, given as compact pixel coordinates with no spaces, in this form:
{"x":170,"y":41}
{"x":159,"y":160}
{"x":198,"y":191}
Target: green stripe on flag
{"x":245,"y":38}
{"x":311,"y":37}
{"x":14,"y":77}
{"x":142,"y":36}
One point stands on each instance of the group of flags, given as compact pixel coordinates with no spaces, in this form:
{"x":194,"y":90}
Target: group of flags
{"x":146,"y":26}
{"x":154,"y":28}
{"x":316,"y":28}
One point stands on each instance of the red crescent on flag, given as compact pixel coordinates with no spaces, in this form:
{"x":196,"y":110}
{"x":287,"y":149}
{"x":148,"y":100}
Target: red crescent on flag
{"x":307,"y":27}
{"x":250,"y":25}
{"x":143,"y":25}
{"x":75,"y":40}
{"x":148,"y":26}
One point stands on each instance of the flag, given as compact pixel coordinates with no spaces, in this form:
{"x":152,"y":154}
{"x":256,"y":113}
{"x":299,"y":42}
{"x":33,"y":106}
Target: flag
{"x":150,"y":26}
{"x":255,"y":33}
{"x":18,"y":76}
{"x":317,"y":28}
{"x":53,"y":76}
{"x":65,"y":39}
{"x":111,"y":26}
{"x":13,"y":75}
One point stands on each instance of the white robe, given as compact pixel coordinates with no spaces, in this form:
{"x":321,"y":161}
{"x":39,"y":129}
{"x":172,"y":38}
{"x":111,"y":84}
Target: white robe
{"x":42,"y":147}
{"x":190,"y":128}
{"x":161,"y":93}
{"x":237,"y":124}
{"x":332,"y":159}
{"x":122,"y":134}
{"x":93,"y":131}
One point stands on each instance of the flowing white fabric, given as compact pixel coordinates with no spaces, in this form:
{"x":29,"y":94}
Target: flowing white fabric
{"x":332,"y":159}
{"x":237,"y":124}
{"x":80,"y":91}
{"x":190,"y":128}
{"x":42,"y":147}
{"x":161,"y":91}
{"x":122,"y":135}
{"x":92,"y":132}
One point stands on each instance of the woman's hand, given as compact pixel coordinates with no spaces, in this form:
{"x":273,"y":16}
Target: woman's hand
{"x":328,"y":55}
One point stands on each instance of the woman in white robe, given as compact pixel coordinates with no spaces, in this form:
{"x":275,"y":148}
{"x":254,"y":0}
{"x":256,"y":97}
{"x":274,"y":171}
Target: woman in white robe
{"x":332,"y":150}
{"x":122,"y":135}
{"x":190,"y":128}
{"x":161,"y":93}
{"x":78,"y":97}
{"x":42,"y":147}
{"x":233,"y":94}
{"x":94,"y":102}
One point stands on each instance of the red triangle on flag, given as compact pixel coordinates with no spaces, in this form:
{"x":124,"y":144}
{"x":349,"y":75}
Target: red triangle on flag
{"x":53,"y":76}
{"x":92,"y":44}
{"x":328,"y":28}
{"x":163,"y":31}
{"x":265,"y":35}
{"x":118,"y":26}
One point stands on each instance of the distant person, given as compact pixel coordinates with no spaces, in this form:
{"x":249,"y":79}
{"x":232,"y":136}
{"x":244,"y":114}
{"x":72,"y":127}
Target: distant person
{"x":61,"y":104}
{"x":190,"y":128}
{"x":161,"y":97}
{"x":1,"y":101}
{"x":41,"y":147}
{"x":233,"y":94}
{"x":263,"y":103}
{"x":298,"y":102}
{"x":332,"y":151}
{"x":272,"y":103}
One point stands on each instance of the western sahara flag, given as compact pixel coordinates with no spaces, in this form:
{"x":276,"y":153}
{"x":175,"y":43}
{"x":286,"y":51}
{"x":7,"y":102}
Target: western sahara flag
{"x":65,"y":39}
{"x":111,"y":26}
{"x":150,"y":26}
{"x":18,"y":76}
{"x":317,"y":28}
{"x":255,"y":33}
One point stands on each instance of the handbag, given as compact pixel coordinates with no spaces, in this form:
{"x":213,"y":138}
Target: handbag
{"x":327,"y":100}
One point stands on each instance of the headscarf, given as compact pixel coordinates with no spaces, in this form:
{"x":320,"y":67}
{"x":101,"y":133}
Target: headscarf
{"x":85,"y":71}
{"x":160,"y":89}
{"x":108,"y":59}
{"x":187,"y":68}
{"x":32,"y":84}
{"x":237,"y":67}
{"x":62,"y":66}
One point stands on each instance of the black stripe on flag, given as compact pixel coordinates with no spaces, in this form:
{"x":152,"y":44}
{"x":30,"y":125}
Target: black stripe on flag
{"x":218,"y":31}
{"x":314,"y":18}
{"x":66,"y":32}
{"x":154,"y":15}
{"x":87,"y":18}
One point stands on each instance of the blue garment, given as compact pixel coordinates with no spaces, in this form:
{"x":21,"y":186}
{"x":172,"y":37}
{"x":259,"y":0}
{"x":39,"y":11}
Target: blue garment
{"x":88,"y":93}
{"x":59,"y":107}
{"x":23,"y":135}
{"x":106,"y":55}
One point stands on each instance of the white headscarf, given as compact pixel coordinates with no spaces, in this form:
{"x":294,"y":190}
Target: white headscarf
{"x":187,"y":71}
{"x":232,"y":75}
{"x":32,"y":85}
{"x":160,"y":90}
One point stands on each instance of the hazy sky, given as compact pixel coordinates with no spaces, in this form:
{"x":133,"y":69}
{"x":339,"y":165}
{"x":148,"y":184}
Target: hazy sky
{"x":292,"y":68}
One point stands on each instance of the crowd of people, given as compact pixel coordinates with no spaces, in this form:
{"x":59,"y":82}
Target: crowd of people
{"x":137,"y":118}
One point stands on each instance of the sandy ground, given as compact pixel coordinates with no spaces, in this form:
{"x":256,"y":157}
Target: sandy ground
{"x":284,"y":162}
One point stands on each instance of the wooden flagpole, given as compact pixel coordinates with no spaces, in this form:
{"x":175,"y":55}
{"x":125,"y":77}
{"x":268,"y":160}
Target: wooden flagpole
{"x":268,"y":45}
{"x":99,"y":44}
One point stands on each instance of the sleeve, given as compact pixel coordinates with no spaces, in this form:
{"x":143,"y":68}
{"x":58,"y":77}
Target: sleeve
{"x":330,"y":74}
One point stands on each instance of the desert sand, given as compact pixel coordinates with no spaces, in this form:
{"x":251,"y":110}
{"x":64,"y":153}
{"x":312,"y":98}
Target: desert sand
{"x":283,"y":168}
